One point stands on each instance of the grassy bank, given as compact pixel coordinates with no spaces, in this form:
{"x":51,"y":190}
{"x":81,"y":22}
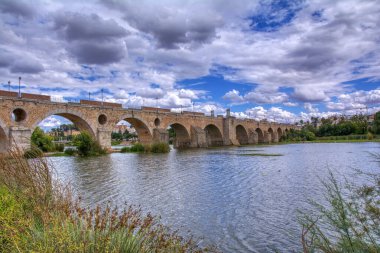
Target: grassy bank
{"x":159,"y":147}
{"x":39,"y":214}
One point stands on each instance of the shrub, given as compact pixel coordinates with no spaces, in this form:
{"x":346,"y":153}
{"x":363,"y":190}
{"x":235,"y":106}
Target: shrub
{"x":87,"y":146}
{"x":369,"y":136}
{"x":59,"y":147}
{"x":125,"y":149}
{"x":70,"y":151}
{"x":137,"y":147}
{"x":42,"y":140}
{"x":33,"y":152}
{"x":160,"y":147}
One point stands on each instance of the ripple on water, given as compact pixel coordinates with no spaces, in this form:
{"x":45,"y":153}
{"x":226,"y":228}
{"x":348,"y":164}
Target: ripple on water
{"x":239,"y":203}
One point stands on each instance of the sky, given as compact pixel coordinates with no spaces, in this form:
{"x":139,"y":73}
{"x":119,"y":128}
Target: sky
{"x":278,"y":60}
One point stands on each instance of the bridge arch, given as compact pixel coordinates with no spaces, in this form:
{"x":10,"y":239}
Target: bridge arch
{"x":182,"y":136}
{"x":279,"y":133}
{"x":143,"y":132}
{"x":214,"y":136}
{"x":241,"y":135}
{"x":271,"y":137}
{"x":260,"y":135}
{"x":75,"y":117}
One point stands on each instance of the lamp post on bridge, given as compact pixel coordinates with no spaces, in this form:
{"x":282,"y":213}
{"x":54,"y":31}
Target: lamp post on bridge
{"x":19,"y":87}
{"x":102,"y":97}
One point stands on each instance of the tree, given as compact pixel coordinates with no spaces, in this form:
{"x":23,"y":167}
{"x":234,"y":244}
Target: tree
{"x":42,"y":140}
{"x":87,"y":146}
{"x":376,"y":123}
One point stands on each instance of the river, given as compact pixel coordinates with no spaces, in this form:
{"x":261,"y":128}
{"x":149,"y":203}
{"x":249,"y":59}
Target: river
{"x":239,"y":203}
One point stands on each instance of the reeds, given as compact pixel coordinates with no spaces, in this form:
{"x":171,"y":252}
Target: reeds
{"x":39,"y":214}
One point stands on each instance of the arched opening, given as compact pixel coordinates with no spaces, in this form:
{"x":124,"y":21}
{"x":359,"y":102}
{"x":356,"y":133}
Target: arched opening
{"x":3,"y":141}
{"x":213,"y":136}
{"x":58,"y":130}
{"x":136,"y":129}
{"x":179,"y":136}
{"x":241,"y":135}
{"x":102,"y":119}
{"x":271,"y":136}
{"x":19,"y":115}
{"x":279,"y":134}
{"x":260,"y":135}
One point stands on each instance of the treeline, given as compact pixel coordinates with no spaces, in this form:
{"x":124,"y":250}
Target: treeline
{"x":357,"y":125}
{"x":123,"y":136}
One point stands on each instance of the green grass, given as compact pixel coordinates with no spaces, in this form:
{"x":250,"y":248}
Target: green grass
{"x":159,"y":147}
{"x":56,"y":154}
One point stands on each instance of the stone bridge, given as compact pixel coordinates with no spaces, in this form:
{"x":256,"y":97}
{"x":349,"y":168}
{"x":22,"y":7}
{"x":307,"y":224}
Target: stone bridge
{"x":20,"y":114}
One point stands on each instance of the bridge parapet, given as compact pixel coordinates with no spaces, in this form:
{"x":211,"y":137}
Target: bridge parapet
{"x":20,"y":116}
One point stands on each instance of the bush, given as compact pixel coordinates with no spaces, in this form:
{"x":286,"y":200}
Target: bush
{"x":87,"y":146}
{"x":137,"y":147}
{"x":42,"y":140}
{"x":59,"y":147}
{"x":115,"y":142}
{"x":33,"y":152}
{"x":125,"y":149}
{"x":369,"y":136}
{"x":160,"y":147}
{"x":70,"y":151}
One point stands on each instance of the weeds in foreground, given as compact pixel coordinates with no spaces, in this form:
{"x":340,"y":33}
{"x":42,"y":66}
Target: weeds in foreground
{"x":349,"y":223}
{"x":39,"y":214}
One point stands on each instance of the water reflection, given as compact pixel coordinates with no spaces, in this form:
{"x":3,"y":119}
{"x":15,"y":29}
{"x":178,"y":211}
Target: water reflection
{"x":240,"y":203}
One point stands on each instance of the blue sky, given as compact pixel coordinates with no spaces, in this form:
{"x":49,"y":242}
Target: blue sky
{"x":276,"y":60}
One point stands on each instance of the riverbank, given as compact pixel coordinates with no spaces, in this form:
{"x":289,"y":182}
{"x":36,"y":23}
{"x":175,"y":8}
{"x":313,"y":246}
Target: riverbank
{"x":40,"y":214}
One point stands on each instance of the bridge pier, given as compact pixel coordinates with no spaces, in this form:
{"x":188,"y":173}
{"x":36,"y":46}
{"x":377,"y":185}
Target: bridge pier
{"x":160,"y":135}
{"x":252,"y":136}
{"x":103,"y":137}
{"x":20,"y":137}
{"x":198,"y":138}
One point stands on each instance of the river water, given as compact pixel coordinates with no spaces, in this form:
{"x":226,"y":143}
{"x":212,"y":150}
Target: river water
{"x":239,"y":203}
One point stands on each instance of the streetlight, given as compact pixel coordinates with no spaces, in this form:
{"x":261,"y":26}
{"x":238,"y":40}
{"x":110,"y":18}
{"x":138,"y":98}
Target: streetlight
{"x":102,"y":97}
{"x":19,"y":87}
{"x":89,"y":96}
{"x":9,"y":86}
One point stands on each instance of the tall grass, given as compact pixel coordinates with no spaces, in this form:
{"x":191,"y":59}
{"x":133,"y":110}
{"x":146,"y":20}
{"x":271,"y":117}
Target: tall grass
{"x":39,"y":214}
{"x":349,"y":223}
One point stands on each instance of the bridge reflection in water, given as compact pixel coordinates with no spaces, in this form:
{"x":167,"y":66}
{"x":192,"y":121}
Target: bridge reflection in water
{"x":20,"y":115}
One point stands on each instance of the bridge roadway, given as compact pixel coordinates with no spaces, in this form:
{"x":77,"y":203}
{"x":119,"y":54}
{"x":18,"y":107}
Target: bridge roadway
{"x":21,"y":114}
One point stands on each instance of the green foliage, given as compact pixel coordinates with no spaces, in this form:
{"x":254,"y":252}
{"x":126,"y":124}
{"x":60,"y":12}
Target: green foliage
{"x":125,"y":149}
{"x":115,"y":142}
{"x":160,"y":147}
{"x":299,"y":135}
{"x":70,"y":151}
{"x":59,"y":147}
{"x":121,"y":136}
{"x":87,"y":146}
{"x":33,"y":152}
{"x":42,"y":140}
{"x":376,"y":123}
{"x":137,"y":147}
{"x":350,"y":222}
{"x":38,"y":214}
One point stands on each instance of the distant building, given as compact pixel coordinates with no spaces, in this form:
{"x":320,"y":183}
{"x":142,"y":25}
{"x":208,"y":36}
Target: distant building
{"x":121,"y":129}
